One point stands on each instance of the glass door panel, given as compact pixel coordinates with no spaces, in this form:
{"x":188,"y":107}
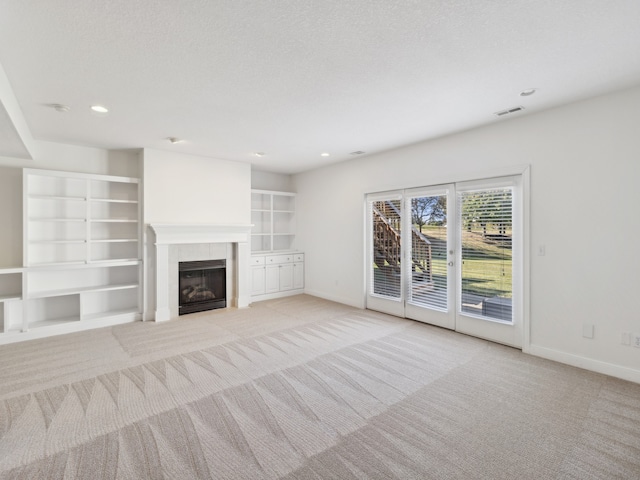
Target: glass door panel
{"x":429,"y":297}
{"x":385,"y":279}
{"x":450,"y":255}
{"x":486,"y":253}
{"x":490,"y":246}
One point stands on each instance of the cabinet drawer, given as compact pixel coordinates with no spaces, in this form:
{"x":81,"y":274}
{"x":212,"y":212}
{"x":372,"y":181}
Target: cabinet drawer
{"x":298,"y":257}
{"x":257,"y":261}
{"x":279,"y":259}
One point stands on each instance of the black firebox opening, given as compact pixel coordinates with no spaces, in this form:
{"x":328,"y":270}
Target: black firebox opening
{"x":202,"y":286}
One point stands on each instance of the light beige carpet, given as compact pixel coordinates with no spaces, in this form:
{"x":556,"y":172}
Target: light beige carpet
{"x":302,"y":388}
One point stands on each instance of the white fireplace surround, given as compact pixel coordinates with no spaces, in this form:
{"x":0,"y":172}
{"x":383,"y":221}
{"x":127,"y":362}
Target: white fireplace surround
{"x":168,"y":235}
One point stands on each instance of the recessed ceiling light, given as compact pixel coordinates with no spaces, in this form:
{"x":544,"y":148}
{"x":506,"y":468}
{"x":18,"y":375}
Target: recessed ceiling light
{"x":174,"y":140}
{"x":58,"y":107}
{"x":259,"y":154}
{"x":325,"y":154}
{"x":99,"y":109}
{"x":527,"y":92}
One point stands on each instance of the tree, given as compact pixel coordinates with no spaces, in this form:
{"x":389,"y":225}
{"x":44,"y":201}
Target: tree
{"x":490,"y":207}
{"x":426,"y":210}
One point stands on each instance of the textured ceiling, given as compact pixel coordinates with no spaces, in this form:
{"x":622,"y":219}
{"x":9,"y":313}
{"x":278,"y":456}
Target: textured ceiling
{"x":295,"y":78}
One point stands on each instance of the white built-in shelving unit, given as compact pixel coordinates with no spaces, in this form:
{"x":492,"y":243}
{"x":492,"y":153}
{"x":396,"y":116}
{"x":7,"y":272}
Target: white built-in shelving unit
{"x":277,"y":268}
{"x":10,"y":299}
{"x":82,"y":255}
{"x":273,"y":218}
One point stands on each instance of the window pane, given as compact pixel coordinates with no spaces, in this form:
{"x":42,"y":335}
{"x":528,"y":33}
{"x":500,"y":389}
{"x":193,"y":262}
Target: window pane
{"x":486,"y":240}
{"x":387,"y":253}
{"x":429,"y":252}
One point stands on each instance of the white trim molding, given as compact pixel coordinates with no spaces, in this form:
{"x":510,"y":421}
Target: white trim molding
{"x":625,"y":373}
{"x":174,"y":233}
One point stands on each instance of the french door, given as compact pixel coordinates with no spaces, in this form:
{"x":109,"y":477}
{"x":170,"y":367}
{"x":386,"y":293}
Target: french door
{"x":450,"y":255}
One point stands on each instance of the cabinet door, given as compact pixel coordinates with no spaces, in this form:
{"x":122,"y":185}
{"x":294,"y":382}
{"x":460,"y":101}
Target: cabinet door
{"x":298,"y":275}
{"x":272,"y":278}
{"x":258,"y":279}
{"x":286,"y":277}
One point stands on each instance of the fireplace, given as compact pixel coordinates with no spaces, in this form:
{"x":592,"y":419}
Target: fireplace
{"x":202,"y":285}
{"x":176,"y":243}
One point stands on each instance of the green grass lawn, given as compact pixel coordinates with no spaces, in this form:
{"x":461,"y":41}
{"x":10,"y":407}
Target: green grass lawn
{"x":486,"y":268}
{"x":487,"y":278}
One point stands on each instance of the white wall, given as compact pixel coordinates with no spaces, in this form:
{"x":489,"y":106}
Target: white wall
{"x":271,"y":181}
{"x":50,"y":156}
{"x":585,"y":200}
{"x":180,"y":188}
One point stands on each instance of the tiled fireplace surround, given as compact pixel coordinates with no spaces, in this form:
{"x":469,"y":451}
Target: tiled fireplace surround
{"x":179,"y":243}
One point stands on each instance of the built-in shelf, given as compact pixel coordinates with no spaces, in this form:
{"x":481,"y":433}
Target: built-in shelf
{"x":277,"y":269}
{"x":115,"y":240}
{"x":273,"y":217}
{"x":71,"y":291}
{"x":45,"y":242}
{"x":109,"y":314}
{"x":57,"y":264}
{"x":113,"y":200}
{"x":83,"y":264}
{"x":57,"y":198}
{"x":53,"y":322}
{"x":82,"y":256}
{"x":57,"y":219}
{"x":114,"y":220}
{"x":110,"y":261}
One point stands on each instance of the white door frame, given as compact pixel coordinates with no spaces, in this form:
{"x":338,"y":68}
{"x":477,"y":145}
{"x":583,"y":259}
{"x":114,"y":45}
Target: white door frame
{"x":523,"y":285}
{"x":508,"y":333}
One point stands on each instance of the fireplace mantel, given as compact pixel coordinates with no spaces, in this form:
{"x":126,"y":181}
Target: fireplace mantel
{"x":182,"y":234}
{"x":175,"y":233}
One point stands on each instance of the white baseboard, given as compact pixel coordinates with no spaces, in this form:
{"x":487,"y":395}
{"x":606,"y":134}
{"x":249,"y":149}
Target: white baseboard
{"x":334,"y":298}
{"x":611,"y":369}
{"x":68,"y":327}
{"x":271,"y":296}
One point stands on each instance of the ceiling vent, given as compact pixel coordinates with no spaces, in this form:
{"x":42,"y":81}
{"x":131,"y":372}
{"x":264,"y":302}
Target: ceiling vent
{"x":359,"y":152}
{"x":508,"y":111}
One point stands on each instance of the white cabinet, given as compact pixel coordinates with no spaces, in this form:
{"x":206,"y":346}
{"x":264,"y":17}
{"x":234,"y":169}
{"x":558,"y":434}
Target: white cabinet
{"x":286,"y":277}
{"x":276,"y":268}
{"x":82,"y":254}
{"x":298,"y":275}
{"x":258,"y":276}
{"x":273,"y":217}
{"x":277,"y":275}
{"x":272,"y":276}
